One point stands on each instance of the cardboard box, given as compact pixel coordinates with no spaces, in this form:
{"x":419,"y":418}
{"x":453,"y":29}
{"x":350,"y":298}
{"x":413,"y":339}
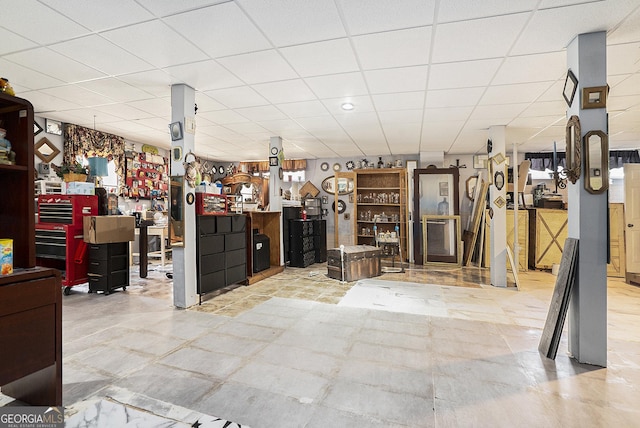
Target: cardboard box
{"x":6,"y":256}
{"x":79,"y":188}
{"x":105,"y":229}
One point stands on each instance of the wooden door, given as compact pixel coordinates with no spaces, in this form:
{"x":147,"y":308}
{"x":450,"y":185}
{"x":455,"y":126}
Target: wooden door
{"x":632,"y":216}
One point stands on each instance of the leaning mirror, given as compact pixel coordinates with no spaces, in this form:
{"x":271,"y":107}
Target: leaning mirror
{"x":573,"y":149}
{"x":342,"y":186}
{"x":596,"y":162}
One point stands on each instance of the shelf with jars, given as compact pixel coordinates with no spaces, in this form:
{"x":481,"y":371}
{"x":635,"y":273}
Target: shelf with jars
{"x":380,"y":207}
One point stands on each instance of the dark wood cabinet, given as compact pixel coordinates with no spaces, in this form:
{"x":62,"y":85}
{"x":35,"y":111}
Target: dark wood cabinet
{"x":108,"y":267}
{"x":221,"y":251}
{"x":307,"y":242}
{"x":30,"y":297}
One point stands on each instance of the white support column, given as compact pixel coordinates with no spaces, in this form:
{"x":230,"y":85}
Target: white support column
{"x":184,"y":256}
{"x":515,"y":168}
{"x":498,"y":250}
{"x":275,"y":186}
{"x":587,"y":59}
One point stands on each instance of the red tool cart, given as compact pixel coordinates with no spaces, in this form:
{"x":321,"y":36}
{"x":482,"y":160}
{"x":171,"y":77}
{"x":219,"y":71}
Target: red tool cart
{"x":59,"y":235}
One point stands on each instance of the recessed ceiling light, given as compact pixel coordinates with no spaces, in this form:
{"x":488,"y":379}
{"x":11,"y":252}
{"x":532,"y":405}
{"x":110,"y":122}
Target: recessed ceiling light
{"x":347,"y":106}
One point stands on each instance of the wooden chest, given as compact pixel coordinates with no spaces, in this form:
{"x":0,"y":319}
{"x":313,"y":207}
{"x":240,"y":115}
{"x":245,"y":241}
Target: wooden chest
{"x":360,"y":261}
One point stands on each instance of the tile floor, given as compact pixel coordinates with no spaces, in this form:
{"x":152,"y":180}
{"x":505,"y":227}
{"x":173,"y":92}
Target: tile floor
{"x":302,"y":350}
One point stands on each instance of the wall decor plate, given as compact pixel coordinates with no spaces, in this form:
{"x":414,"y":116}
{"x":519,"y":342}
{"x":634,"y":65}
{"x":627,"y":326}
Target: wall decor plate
{"x":342,"y":206}
{"x":499,"y":202}
{"x":324,"y":166}
{"x":221,"y":169}
{"x":336,"y":166}
{"x":350,"y":165}
{"x":274,"y":151}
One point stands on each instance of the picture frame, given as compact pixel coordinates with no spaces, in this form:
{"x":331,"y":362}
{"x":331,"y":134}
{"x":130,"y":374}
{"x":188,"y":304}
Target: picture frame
{"x":273,"y":161}
{"x":325,"y":200}
{"x":594,"y":97}
{"x":480,"y":161}
{"x":570,"y":86}
{"x":573,"y":139}
{"x":444,"y":188}
{"x":45,"y":150}
{"x":498,"y":179}
{"x":498,"y":158}
{"x":53,"y":126}
{"x":36,"y":128}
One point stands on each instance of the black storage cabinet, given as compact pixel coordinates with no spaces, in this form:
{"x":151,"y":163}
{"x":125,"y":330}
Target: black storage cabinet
{"x":301,"y":243}
{"x":221,"y":250}
{"x":108,"y":267}
{"x":320,"y":240}
{"x":261,"y":252}
{"x":288,"y":213}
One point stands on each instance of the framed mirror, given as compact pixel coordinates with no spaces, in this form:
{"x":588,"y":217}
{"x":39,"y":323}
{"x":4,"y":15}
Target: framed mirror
{"x":470,"y":186}
{"x":343,"y":186}
{"x":573,"y":139}
{"x":596,"y":162}
{"x":45,"y":150}
{"x":498,"y":179}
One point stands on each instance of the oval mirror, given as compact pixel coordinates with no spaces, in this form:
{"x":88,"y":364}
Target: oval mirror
{"x":343,"y":185}
{"x":596,"y":162}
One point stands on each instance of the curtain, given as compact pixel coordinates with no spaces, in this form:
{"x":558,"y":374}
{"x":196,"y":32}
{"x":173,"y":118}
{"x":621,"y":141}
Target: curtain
{"x":542,"y":161}
{"x":81,"y":141}
{"x":619,"y":157}
{"x":263,"y":166}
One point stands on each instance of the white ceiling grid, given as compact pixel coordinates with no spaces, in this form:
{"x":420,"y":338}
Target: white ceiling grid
{"x":423,"y":75}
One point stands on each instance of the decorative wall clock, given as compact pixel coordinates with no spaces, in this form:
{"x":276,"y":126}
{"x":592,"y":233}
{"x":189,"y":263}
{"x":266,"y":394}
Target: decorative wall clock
{"x":350,"y":165}
{"x":336,"y":166}
{"x":324,"y":166}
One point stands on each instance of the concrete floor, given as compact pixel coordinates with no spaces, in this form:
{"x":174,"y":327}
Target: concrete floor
{"x":302,"y":350}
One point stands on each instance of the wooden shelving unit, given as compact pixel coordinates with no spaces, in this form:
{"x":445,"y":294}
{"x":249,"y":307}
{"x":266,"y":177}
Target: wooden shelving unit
{"x":30,"y":297}
{"x":380,"y":200}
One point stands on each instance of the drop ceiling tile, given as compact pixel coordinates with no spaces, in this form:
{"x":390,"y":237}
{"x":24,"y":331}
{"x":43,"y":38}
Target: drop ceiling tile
{"x":464,"y":74}
{"x":35,"y":21}
{"x":365,"y":16}
{"x":478,"y":39}
{"x":360,"y":104}
{"x":259,"y":67}
{"x":44,"y":103}
{"x":337,"y":85}
{"x":545,"y":108}
{"x":168,"y":7}
{"x":532,"y":68}
{"x":321,"y":124}
{"x":220,"y":30}
{"x":100,"y":16}
{"x":156,"y":43}
{"x":241,"y":96}
{"x":458,"y":114}
{"x":629,"y":86}
{"x":96,"y":52}
{"x":205,"y":103}
{"x":155,"y":82}
{"x":295,"y":22}
{"x":399,"y":101}
{"x":19,"y":75}
{"x":549,"y":30}
{"x":78,"y":95}
{"x":627,"y":31}
{"x":160,"y":107}
{"x":262,"y":113}
{"x":623,"y":59}
{"x":317,"y":59}
{"x":470,"y":9}
{"x":622,"y":103}
{"x":89,"y":116}
{"x":221,"y":132}
{"x":400,"y":48}
{"x":400,"y":117}
{"x":285,"y":91}
{"x":453,"y":97}
{"x":116,"y":89}
{"x":124,"y":111}
{"x":127,"y":126}
{"x":538,"y":122}
{"x":554,"y":92}
{"x":203,"y":75}
{"x":497,"y":111}
{"x":223,"y":117}
{"x":303,"y":109}
{"x":55,"y":65}
{"x":402,"y":134}
{"x":511,"y":94}
{"x":12,"y":42}
{"x":245,"y":128}
{"x":405,"y":79}
{"x":281,"y":125}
